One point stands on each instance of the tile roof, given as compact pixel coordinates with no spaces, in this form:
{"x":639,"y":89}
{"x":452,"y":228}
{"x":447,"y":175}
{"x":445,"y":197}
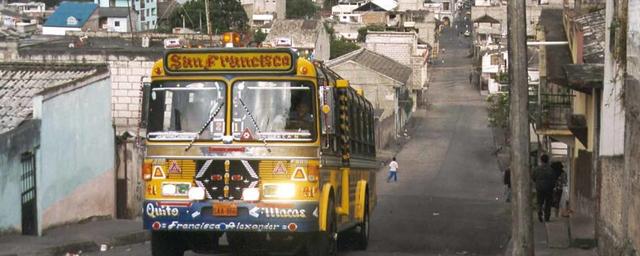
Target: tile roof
{"x":80,"y":11}
{"x":19,"y":82}
{"x":113,"y":12}
{"x":486,"y":19}
{"x":377,"y":62}
{"x":303,"y":33}
{"x":593,"y":27}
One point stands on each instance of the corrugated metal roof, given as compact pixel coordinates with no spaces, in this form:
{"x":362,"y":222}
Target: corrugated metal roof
{"x":80,"y":11}
{"x":377,"y":62}
{"x":19,"y":82}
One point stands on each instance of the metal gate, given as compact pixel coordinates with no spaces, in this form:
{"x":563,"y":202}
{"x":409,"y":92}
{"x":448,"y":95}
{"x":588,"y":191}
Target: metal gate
{"x":28,"y":181}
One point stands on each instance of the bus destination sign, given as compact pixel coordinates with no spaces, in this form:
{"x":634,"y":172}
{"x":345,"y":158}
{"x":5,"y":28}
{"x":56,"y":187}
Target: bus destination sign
{"x":206,"y":62}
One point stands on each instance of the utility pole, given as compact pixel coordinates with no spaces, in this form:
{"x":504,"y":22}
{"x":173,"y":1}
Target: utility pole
{"x":521,"y":214}
{"x":206,"y":9}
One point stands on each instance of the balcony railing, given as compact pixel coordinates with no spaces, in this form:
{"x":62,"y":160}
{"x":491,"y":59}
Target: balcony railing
{"x":551,"y":111}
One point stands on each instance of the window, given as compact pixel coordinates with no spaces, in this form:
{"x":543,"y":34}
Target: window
{"x":117,"y":23}
{"x":495,"y":60}
{"x":180,"y":110}
{"x":273,"y":111}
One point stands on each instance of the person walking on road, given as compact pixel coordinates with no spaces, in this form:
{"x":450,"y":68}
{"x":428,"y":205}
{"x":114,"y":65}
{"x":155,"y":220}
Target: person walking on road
{"x":545,"y":180}
{"x":393,"y":170}
{"x":507,"y":185}
{"x":558,"y":189}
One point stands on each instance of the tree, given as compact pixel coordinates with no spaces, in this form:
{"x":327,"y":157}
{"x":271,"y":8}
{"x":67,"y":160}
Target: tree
{"x":498,"y":110}
{"x":259,"y":36}
{"x":226,"y":15}
{"x":299,"y":9}
{"x":340,"y":47}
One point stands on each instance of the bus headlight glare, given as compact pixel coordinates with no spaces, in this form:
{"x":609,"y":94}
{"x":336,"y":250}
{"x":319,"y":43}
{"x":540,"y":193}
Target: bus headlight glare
{"x":251,"y":194}
{"x":196,"y":193}
{"x":285,"y":190}
{"x":168,"y":189}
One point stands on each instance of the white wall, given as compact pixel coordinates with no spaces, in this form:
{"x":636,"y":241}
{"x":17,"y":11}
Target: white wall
{"x":57,"y":30}
{"x":123,"y":25}
{"x":612,"y":119}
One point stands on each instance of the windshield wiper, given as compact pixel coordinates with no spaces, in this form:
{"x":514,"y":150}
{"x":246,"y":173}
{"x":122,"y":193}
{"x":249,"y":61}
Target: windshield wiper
{"x":204,"y":127}
{"x":255,"y":124}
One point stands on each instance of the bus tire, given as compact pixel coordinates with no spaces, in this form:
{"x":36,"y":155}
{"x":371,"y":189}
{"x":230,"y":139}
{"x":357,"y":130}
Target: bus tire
{"x":325,"y":243}
{"x":167,"y":244}
{"x":362,"y":235}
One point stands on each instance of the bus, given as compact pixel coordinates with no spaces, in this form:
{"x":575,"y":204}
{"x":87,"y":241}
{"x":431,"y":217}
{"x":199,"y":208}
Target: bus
{"x":271,"y":151}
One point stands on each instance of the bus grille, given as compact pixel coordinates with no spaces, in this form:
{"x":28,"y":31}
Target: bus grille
{"x":225,"y":179}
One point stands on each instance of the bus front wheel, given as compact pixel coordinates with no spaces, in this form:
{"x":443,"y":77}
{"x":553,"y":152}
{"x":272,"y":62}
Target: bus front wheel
{"x":325,"y":243}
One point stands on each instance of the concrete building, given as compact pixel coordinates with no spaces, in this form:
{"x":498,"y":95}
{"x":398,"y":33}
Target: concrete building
{"x":147,"y":14}
{"x":617,"y":221}
{"x":403,"y":47}
{"x":56,"y":145}
{"x":114,"y":19}
{"x":128,"y":65}
{"x":384,"y":82}
{"x":11,"y":19}
{"x":308,"y":37}
{"x":72,"y":16}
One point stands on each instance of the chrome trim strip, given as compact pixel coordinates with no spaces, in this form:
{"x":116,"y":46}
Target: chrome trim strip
{"x":231,"y":157}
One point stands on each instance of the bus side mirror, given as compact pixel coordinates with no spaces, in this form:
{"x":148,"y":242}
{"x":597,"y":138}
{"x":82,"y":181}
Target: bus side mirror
{"x":146,"y":94}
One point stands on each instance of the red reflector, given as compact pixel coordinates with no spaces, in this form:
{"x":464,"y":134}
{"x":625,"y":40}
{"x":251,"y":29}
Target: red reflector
{"x":216,"y":177}
{"x":236,"y":177}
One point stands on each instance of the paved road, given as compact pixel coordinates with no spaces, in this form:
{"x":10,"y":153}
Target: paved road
{"x":448,"y":200}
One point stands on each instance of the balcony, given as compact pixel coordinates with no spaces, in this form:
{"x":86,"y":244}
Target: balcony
{"x":551,"y":113}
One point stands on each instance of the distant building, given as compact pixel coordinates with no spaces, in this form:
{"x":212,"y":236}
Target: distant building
{"x":383,"y":82}
{"x":10,"y":18}
{"x":112,"y":3}
{"x":56,"y":145}
{"x":72,"y":16}
{"x":404,"y":48}
{"x":308,"y":37}
{"x":114,"y":19}
{"x":147,"y":14}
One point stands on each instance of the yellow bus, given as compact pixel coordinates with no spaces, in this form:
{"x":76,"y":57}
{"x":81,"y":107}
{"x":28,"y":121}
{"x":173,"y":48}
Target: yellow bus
{"x":273,"y":151}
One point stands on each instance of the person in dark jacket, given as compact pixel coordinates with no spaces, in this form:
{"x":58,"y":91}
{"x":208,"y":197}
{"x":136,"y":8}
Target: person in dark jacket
{"x":558,"y":171}
{"x":507,"y":184}
{"x":545,"y":180}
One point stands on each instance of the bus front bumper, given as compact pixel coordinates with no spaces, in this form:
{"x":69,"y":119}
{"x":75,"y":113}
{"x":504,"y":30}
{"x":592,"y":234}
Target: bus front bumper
{"x":295,"y":216}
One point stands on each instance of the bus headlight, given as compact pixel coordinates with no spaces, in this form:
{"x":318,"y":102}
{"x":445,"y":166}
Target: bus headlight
{"x":175,"y":189}
{"x":282,"y":190}
{"x":251,"y":194}
{"x":196,"y":193}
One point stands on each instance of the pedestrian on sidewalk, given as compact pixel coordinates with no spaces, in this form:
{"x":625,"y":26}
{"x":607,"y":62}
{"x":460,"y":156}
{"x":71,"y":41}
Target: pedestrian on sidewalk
{"x":561,"y":178}
{"x":507,"y":184}
{"x":545,"y":180}
{"x":393,"y":170}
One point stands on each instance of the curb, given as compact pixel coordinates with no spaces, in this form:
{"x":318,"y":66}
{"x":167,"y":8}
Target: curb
{"x":94,"y":246}
{"x":132,"y":238}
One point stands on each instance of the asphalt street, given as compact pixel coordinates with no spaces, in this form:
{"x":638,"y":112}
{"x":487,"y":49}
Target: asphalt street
{"x":448,"y":199}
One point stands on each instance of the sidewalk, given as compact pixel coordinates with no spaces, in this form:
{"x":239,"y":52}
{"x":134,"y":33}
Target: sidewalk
{"x":75,"y":238}
{"x":552,"y":239}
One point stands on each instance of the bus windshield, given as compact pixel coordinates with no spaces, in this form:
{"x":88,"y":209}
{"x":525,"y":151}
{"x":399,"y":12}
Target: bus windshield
{"x":273,"y":111}
{"x":180,"y":110}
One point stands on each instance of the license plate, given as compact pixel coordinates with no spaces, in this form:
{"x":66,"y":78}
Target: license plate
{"x":225,"y":210}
